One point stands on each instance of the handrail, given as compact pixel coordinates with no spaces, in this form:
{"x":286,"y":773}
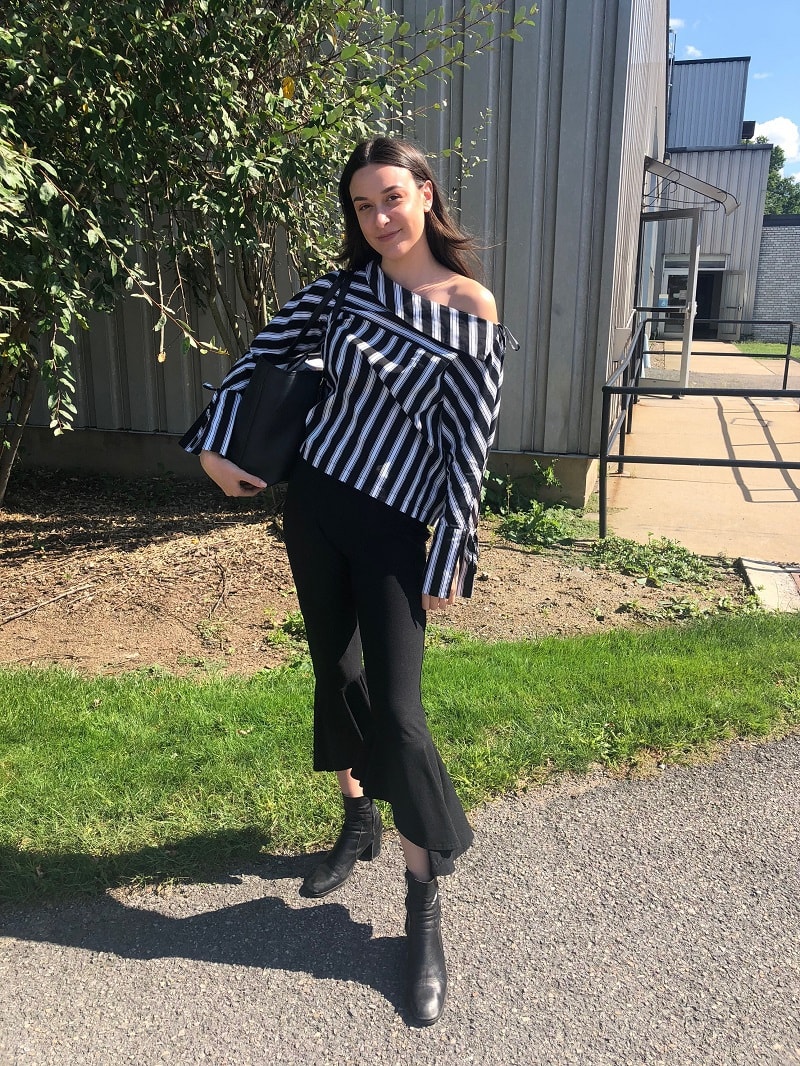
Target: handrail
{"x":657,"y":311}
{"x":630,"y":370}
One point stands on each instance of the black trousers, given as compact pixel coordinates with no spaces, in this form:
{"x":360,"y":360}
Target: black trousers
{"x":358,"y":566}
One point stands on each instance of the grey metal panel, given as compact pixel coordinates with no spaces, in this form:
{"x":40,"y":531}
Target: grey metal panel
{"x":582,"y":104}
{"x":707,"y":102}
{"x":636,"y":128}
{"x":742,"y":171}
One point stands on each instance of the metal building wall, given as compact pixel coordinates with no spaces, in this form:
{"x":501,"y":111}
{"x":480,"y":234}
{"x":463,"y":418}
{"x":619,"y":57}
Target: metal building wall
{"x":743,"y":172}
{"x":643,"y":128}
{"x":707,"y":102}
{"x":574,"y":109}
{"x":121,"y":385}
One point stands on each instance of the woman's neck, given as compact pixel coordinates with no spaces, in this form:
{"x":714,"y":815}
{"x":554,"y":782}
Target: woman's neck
{"x":417,"y":270}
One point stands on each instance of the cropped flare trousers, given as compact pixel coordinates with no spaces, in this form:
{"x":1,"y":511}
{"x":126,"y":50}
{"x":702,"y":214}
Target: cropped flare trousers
{"x":358,"y":566}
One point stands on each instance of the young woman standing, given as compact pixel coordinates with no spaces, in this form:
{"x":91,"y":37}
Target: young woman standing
{"x":397,"y":444}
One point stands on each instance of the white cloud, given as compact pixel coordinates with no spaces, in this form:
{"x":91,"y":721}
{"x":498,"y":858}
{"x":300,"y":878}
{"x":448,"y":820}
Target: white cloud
{"x":783,"y":132}
{"x":690,"y":52}
{"x":676,"y":24}
{"x":760,"y":77}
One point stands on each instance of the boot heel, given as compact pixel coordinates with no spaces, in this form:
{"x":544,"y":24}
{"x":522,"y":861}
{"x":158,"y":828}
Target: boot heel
{"x":373,"y":850}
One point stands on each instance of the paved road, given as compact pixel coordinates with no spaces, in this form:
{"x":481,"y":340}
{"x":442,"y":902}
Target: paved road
{"x":595,"y":922}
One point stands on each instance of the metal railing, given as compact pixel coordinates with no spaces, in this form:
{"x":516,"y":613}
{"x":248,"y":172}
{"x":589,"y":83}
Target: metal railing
{"x":623,"y":389}
{"x":658,"y":312}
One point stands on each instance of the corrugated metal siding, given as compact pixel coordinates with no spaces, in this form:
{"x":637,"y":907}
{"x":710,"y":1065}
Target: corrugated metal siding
{"x":743,"y":172}
{"x":574,"y":109}
{"x":707,"y":103}
{"x":121,"y":385}
{"x":642,"y":133}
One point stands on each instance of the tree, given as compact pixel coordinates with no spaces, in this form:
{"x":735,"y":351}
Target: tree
{"x":170,"y":149}
{"x":783,"y":194}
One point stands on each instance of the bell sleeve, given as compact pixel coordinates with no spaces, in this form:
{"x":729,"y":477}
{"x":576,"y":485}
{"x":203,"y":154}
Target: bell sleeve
{"x":469,"y":412}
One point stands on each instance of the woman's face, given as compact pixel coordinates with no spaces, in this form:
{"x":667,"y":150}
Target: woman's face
{"x":391,"y":209}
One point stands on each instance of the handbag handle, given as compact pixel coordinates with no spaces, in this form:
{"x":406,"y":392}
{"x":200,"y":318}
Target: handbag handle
{"x":336,"y":295}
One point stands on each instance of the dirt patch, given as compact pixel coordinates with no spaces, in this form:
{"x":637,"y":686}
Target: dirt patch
{"x":102,"y":575}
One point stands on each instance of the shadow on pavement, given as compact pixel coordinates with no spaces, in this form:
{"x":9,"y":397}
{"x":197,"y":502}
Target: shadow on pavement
{"x":319,"y":939}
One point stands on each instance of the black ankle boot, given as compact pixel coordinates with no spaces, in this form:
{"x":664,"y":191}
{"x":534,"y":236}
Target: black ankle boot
{"x":360,"y":838}
{"x":427,"y":972}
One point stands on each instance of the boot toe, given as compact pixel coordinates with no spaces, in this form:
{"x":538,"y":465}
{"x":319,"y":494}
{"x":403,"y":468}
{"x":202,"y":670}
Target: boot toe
{"x":321,"y":881}
{"x":426,"y":1003}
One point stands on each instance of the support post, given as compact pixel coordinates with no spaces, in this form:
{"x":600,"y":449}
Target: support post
{"x":605,"y":424}
{"x":691,"y":297}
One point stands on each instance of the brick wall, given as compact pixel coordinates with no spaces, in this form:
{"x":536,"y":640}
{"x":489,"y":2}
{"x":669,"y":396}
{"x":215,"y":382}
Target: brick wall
{"x":778,"y":285}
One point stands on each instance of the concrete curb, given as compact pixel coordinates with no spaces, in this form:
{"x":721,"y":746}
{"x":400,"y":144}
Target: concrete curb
{"x":776,"y":585}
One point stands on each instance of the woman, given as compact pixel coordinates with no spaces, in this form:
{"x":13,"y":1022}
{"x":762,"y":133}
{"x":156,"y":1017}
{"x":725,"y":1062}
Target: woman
{"x":397,"y":443}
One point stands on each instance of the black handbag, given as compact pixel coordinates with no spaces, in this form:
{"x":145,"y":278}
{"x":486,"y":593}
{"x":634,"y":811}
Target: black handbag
{"x":270,"y":422}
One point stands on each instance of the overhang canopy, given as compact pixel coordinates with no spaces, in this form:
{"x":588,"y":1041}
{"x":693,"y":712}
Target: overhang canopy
{"x":688,"y":181}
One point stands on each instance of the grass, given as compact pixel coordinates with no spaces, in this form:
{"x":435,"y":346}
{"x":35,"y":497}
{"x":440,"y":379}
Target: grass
{"x":148,"y":777}
{"x":767,"y":350}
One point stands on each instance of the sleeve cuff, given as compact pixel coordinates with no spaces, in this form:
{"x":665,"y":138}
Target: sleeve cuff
{"x":212,"y":430}
{"x":453,"y":550}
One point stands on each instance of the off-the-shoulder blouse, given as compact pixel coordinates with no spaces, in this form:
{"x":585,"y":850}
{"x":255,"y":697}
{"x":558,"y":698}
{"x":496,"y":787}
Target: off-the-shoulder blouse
{"x":408,"y":408}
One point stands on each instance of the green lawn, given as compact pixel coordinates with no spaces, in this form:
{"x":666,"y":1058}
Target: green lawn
{"x":767,"y":350}
{"x":115,"y":780}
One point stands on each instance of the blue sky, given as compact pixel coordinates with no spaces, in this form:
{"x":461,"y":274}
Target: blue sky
{"x":768,"y":32}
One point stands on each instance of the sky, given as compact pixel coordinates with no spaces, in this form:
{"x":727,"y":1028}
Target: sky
{"x":768,"y":32}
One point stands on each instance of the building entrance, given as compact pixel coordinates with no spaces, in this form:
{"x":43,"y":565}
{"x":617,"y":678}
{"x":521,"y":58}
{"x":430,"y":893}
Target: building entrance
{"x":708,"y":298}
{"x":709,"y":290}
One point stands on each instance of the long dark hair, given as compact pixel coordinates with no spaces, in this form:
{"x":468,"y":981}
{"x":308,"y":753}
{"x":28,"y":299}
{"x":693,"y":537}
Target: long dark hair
{"x":447,"y":241}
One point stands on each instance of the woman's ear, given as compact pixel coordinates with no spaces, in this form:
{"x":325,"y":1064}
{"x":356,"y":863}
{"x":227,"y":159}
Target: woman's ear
{"x":427,"y":195}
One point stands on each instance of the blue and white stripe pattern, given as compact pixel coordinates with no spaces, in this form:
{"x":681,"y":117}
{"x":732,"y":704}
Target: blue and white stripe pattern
{"x":408,"y":409}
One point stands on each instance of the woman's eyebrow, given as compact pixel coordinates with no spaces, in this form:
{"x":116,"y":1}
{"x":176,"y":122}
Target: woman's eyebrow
{"x":388,"y":188}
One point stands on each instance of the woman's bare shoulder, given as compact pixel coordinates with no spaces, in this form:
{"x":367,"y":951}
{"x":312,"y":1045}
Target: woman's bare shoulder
{"x":470,"y":296}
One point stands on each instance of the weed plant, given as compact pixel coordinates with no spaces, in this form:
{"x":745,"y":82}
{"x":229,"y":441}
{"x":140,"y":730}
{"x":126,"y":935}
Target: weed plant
{"x":542,"y":525}
{"x":525,"y":520}
{"x":657,"y":561}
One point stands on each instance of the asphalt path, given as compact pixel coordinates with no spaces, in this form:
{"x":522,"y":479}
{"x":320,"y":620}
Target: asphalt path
{"x":596,"y":921}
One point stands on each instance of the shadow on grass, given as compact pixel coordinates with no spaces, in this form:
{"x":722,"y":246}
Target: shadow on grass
{"x":28,"y":876}
{"x":318,"y":939}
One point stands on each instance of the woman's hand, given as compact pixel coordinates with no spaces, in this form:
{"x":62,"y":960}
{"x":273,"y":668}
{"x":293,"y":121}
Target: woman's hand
{"x":231,"y":478}
{"x":437,"y":603}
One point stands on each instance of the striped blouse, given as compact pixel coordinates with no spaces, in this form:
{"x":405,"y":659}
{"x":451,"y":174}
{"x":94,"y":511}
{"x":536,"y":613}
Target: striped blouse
{"x":408,"y":408}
